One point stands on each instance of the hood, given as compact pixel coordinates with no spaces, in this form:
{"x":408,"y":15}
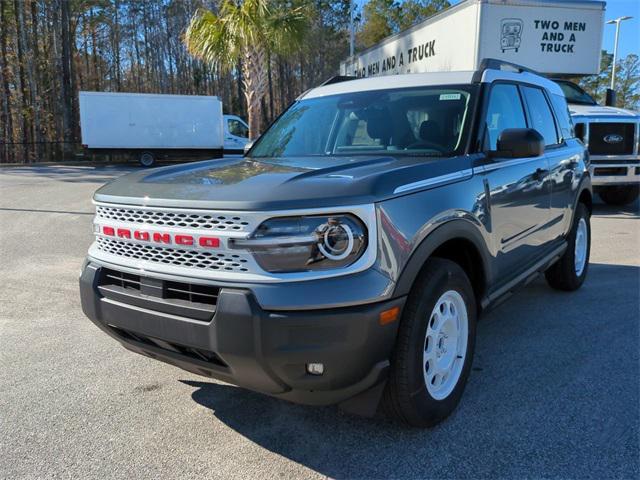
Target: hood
{"x":601,"y":111}
{"x":276,"y":184}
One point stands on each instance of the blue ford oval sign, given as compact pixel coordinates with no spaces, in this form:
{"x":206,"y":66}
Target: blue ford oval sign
{"x":613,"y":138}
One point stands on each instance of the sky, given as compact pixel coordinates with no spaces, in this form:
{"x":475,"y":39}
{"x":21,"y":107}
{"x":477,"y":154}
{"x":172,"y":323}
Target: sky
{"x":629,"y":41}
{"x":629,"y":29}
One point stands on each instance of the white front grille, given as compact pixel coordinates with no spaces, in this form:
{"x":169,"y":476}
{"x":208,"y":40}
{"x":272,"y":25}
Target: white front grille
{"x":221,"y":262}
{"x":164,"y":218}
{"x":226,"y":262}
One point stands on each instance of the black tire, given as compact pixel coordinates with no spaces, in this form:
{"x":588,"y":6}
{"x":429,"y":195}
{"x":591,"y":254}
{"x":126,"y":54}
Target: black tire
{"x":406,"y":397}
{"x":621,"y":195}
{"x":562,"y":275}
{"x":147,"y":159}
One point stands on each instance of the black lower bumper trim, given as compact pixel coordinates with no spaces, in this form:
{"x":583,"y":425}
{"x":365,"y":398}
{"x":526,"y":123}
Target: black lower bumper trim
{"x":190,"y":352}
{"x":257,"y":349}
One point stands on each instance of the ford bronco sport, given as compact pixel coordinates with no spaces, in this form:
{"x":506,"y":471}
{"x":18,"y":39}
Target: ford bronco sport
{"x":346,"y":258}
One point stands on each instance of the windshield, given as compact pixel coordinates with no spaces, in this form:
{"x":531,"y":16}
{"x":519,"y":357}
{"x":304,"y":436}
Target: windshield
{"x":418,"y":121}
{"x":575,"y":94}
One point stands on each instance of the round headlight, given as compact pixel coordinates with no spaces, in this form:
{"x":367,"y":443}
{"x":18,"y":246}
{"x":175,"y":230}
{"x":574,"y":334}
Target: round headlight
{"x":298,"y":244}
{"x":337,"y":241}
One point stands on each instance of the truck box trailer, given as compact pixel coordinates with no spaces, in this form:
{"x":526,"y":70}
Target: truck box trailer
{"x":549,"y":36}
{"x":151,"y":125}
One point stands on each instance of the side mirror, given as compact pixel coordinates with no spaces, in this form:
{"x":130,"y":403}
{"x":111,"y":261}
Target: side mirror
{"x":519,"y":143}
{"x":247,"y":147}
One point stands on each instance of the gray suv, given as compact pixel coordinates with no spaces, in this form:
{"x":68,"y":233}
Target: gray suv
{"x":346,"y":258}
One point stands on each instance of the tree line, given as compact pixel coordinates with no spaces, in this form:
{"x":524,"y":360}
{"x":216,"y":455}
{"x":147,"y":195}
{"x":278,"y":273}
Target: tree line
{"x":52,"y":49}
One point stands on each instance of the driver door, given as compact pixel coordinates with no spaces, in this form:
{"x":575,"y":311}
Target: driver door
{"x":517,"y":191}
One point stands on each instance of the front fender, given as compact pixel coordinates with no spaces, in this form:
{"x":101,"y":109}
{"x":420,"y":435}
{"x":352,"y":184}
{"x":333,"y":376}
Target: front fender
{"x":457,"y":229}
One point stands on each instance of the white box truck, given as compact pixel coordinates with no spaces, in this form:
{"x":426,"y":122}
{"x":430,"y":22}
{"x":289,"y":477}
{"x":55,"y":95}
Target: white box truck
{"x":153,"y":126}
{"x":549,"y":36}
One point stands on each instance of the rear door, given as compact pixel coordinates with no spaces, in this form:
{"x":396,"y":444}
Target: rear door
{"x":518,"y":196}
{"x":565,"y":160}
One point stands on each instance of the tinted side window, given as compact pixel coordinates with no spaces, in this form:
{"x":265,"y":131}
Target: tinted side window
{"x":562,"y":114}
{"x":541,"y":116}
{"x":504,"y":111}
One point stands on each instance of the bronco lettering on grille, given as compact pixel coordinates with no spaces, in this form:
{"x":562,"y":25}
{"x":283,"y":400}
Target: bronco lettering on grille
{"x":161,"y":237}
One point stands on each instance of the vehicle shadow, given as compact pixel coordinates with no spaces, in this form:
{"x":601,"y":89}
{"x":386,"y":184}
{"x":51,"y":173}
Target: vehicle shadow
{"x":603,"y":210}
{"x":534,"y":400}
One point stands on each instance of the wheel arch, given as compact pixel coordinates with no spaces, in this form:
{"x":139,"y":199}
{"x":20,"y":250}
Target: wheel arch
{"x":586,"y":197}
{"x":456,"y":240}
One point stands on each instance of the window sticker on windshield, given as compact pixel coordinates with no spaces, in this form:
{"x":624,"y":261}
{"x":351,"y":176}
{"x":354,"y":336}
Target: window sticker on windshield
{"x":449,"y":96}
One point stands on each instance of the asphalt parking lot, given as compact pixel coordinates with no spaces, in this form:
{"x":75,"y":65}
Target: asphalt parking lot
{"x":554,"y":391}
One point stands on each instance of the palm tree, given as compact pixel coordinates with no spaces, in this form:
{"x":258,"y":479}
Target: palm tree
{"x":249,"y":31}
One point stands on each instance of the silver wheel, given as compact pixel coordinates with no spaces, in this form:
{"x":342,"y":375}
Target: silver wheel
{"x":580,"y":254}
{"x":445,"y":345}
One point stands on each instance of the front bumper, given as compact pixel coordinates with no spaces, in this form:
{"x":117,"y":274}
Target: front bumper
{"x":607,"y":171}
{"x":244,"y":344}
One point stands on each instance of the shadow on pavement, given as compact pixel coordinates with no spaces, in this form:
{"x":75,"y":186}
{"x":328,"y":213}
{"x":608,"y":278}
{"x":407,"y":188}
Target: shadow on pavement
{"x":601,"y":209}
{"x":535,"y":399}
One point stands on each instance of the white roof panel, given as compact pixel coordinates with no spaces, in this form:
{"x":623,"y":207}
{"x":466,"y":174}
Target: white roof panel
{"x":389,"y":82}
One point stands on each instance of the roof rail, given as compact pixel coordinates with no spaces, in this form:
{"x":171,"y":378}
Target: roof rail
{"x":495,"y":64}
{"x":338,"y":79}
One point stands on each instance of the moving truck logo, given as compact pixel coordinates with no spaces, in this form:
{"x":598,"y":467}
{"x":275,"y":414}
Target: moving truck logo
{"x":510,"y":33}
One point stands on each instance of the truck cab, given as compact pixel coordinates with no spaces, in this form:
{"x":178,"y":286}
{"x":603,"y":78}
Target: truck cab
{"x":612,"y":136}
{"x":236,"y":134}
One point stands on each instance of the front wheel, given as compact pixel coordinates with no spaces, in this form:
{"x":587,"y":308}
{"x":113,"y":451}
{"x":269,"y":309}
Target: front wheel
{"x":434,"y":349}
{"x":622,"y":195}
{"x":569,"y":272}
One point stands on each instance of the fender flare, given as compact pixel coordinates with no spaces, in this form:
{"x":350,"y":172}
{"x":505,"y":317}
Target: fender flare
{"x":451,"y":230}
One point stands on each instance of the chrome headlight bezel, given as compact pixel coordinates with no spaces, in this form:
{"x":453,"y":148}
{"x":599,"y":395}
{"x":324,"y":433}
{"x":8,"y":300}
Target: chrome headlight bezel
{"x":307,"y":243}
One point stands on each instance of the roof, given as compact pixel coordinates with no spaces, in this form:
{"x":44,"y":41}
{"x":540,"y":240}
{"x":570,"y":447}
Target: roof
{"x":387,"y":82}
{"x":408,"y":80}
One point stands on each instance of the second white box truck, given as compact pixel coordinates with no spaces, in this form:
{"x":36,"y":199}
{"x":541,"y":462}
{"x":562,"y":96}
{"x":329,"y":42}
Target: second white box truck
{"x":153,"y":126}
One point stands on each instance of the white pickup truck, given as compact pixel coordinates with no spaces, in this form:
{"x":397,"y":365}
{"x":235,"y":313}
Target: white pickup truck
{"x":612,"y":136}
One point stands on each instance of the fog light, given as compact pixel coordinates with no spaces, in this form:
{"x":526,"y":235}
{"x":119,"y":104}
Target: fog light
{"x":315,"y":368}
